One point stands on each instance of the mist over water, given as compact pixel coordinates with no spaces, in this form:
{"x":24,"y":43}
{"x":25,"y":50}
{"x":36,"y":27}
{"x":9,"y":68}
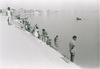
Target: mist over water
{"x":64,"y":24}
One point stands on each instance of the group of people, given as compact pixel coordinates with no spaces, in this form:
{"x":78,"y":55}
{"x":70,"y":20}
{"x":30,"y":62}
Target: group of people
{"x":23,"y":23}
{"x":44,"y":35}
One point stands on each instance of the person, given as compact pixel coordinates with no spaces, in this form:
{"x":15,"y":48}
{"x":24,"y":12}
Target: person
{"x":56,"y":41}
{"x":18,"y":22}
{"x":9,"y":14}
{"x":26,"y":24}
{"x":39,"y":36}
{"x":72,"y":45}
{"x":36,"y":32}
{"x":33,"y":28}
{"x":48,"y":42}
{"x":27,"y":27}
{"x":44,"y":35}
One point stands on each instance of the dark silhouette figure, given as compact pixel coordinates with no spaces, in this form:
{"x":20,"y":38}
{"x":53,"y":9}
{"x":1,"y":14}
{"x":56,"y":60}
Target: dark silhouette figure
{"x":56,"y":41}
{"x":44,"y":35}
{"x":72,"y":48}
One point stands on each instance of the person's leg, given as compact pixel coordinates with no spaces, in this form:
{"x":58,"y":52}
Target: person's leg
{"x":43,"y":38}
{"x":38,"y":36}
{"x":56,"y":44}
{"x":8,"y":20}
{"x":72,"y":57}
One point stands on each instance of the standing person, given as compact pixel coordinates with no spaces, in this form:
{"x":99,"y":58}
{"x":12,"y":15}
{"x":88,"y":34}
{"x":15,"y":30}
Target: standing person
{"x":56,"y":41}
{"x":72,"y":46}
{"x":9,"y":14}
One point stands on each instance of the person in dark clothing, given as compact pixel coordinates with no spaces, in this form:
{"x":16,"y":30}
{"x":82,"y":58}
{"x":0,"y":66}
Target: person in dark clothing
{"x":72,"y":45}
{"x":39,"y":36}
{"x":44,"y":35}
{"x":56,"y":41}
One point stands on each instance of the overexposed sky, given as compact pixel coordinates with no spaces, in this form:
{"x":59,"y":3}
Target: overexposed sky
{"x":42,"y":3}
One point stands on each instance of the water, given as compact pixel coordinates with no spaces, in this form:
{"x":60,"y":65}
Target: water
{"x":65,"y":25}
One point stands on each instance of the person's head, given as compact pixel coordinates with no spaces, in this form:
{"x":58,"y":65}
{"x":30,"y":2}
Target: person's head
{"x":74,"y":37}
{"x":37,"y":27}
{"x":57,"y":36}
{"x":43,"y":29}
{"x":8,"y":8}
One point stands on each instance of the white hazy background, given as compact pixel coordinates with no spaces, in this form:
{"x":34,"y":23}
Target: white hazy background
{"x":65,"y":25}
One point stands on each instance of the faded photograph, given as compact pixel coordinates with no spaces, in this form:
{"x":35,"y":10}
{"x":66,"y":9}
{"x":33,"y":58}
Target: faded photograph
{"x":49,"y":34}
